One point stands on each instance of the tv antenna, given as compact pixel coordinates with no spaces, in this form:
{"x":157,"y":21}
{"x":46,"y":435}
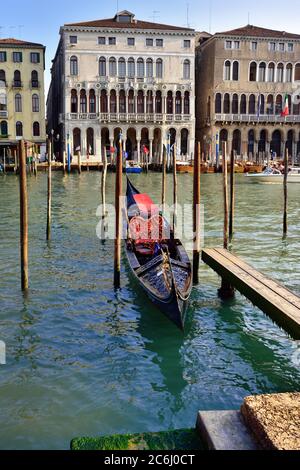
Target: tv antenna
{"x":188,"y":15}
{"x":155,"y":15}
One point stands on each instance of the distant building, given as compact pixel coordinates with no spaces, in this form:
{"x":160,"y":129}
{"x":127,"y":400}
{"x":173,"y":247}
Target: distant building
{"x":123,"y":75}
{"x":22,"y":95}
{"x":244,"y":77}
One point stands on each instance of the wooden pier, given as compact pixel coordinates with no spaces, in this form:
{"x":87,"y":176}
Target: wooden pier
{"x":275,"y":300}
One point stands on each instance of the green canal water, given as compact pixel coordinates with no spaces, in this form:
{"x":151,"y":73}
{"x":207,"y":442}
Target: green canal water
{"x":83,"y":359}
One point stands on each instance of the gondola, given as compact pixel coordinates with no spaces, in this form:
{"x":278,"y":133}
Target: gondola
{"x":157,"y":260}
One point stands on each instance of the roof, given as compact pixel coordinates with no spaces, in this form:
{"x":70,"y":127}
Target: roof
{"x":135,"y":24}
{"x":258,"y":32}
{"x":18,"y":42}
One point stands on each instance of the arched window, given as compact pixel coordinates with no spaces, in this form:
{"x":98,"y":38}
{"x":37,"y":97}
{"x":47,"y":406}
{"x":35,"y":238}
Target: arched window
{"x":3,"y":128}
{"x":270,"y":105}
{"x":90,"y":141}
{"x":262,"y":72}
{"x":36,"y":129}
{"x":140,"y":68}
{"x":35,"y":104}
{"x":227,"y":70}
{"x":280,"y":73}
{"x":159,"y":68}
{"x":235,"y":104}
{"x":131,"y":104}
{"x":149,"y":68}
{"x":122,"y":68}
{"x":186,"y":69}
{"x":74,"y":101}
{"x":237,"y":141}
{"x":187,"y":103}
{"x":271,"y":72}
{"x":170,"y":103}
{"x":92,"y":101}
{"x":103,"y":101}
{"x":296,"y":106}
{"x":251,"y":142}
{"x":18,"y":103}
{"x":140,"y":102}
{"x":150,"y":102}
{"x":243,"y":105}
{"x":226,"y":105}
{"x":261,"y":104}
{"x":131,"y":68}
{"x":76,"y":140}
{"x":2,"y":78}
{"x":235,"y":71}
{"x":297,"y":72}
{"x":83,"y":102}
{"x":253,"y":72}
{"x":178,"y":103}
{"x":113,"y":101}
{"x":122,"y":101}
{"x":158,"y":102}
{"x":278,"y":107}
{"x":102,"y":67}
{"x":34,"y":79}
{"x":218,"y":103}
{"x":3,"y":102}
{"x":289,"y":73}
{"x":19,"y":129}
{"x":17,"y":79}
{"x":73,"y":65}
{"x":112,"y":67}
{"x":252,"y":103}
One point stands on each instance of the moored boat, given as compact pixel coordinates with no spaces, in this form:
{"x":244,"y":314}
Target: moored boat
{"x":184,"y":167}
{"x":157,"y":260}
{"x":274,"y":175}
{"x":133,"y":168}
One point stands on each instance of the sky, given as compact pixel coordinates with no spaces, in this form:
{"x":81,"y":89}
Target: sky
{"x":38,"y":21}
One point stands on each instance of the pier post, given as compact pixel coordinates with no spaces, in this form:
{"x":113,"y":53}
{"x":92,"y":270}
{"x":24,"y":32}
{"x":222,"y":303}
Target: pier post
{"x":232,"y":195}
{"x":79,"y":162}
{"x":164,"y":179}
{"x":103,"y":193}
{"x":64,"y":162}
{"x":23,"y":216}
{"x":226,"y":291}
{"x":174,"y":188}
{"x":196,"y":214}
{"x":285,"y":192}
{"x":4,"y":160}
{"x":119,"y":175}
{"x":49,"y":193}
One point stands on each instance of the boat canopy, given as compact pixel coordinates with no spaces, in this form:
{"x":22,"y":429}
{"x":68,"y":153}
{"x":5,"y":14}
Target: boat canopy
{"x":145,"y":205}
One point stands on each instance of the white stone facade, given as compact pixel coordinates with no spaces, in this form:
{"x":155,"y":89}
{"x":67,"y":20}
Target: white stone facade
{"x":137,"y":79}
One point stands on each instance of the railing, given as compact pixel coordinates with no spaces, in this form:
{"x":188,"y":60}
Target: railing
{"x":17,"y":84}
{"x":127,"y":117}
{"x":34,"y":84}
{"x":3,"y":114}
{"x":255,"y":118}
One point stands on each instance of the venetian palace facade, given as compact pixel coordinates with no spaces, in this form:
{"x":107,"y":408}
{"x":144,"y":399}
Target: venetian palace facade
{"x":22,"y":102}
{"x":244,"y":79}
{"x":123,"y":75}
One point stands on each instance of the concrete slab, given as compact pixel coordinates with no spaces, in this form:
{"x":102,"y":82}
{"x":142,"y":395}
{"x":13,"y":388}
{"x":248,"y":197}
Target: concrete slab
{"x":274,"y":420}
{"x":224,"y":430}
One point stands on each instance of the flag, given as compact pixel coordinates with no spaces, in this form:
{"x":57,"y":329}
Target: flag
{"x":286,"y":111}
{"x":259,"y":106}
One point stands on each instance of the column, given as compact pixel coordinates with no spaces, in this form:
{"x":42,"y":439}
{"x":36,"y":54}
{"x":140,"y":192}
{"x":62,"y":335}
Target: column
{"x":118,"y":101}
{"x":255,"y":156}
{"x":108,"y":102}
{"x":294,"y":153}
{"x":282,"y":149}
{"x":98,"y":149}
{"x":151,"y":150}
{"x":182,"y":103}
{"x":145,"y":102}
{"x":138,"y":140}
{"x":135,"y":102}
{"x":84,"y":144}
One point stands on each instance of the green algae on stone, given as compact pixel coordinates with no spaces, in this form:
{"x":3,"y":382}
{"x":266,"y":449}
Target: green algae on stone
{"x":186,"y":439}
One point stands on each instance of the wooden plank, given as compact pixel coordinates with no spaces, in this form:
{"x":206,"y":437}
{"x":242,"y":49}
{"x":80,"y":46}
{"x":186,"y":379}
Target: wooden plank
{"x":273,"y":285}
{"x":284,"y":313}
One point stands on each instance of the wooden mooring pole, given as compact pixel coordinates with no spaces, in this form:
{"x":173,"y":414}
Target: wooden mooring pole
{"x":103,"y":193}
{"x":285,"y":192}
{"x":119,"y":175}
{"x":232,"y":195}
{"x":64,"y":162}
{"x":79,"y":162}
{"x":226,"y":291}
{"x":164,"y":179}
{"x":49,"y":193}
{"x":175,"y":186}
{"x":23,"y":216}
{"x":196,"y":214}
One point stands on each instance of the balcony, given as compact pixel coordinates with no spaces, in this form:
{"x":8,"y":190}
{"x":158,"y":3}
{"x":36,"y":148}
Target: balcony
{"x":254,"y":118}
{"x":17,"y":84}
{"x":128,"y":117}
{"x":34,"y":84}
